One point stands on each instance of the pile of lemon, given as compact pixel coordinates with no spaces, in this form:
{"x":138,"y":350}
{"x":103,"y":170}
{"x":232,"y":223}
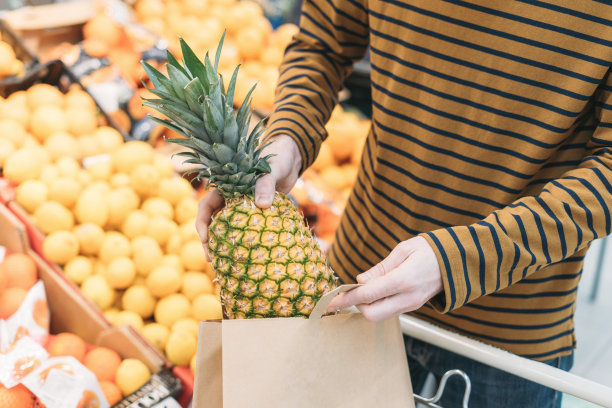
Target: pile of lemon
{"x":115,"y":216}
{"x":9,"y":64}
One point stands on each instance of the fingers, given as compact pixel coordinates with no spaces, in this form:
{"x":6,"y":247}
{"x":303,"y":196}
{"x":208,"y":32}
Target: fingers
{"x":389,"y":307}
{"x":264,"y":190}
{"x":208,"y":205}
{"x":376,"y":289}
{"x":399,"y":254}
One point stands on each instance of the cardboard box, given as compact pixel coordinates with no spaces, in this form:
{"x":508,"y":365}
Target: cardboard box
{"x":72,"y":312}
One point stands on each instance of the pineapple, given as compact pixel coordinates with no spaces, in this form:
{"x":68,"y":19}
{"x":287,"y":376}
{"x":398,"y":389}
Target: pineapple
{"x":265,"y":260}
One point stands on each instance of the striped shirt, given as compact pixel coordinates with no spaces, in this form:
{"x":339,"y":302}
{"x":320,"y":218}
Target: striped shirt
{"x":491,"y":136}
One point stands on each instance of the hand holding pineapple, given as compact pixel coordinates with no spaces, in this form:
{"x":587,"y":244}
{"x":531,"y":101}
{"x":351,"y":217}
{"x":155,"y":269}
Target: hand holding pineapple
{"x":265,"y":259}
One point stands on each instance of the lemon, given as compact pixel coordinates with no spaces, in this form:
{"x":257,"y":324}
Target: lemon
{"x":135,"y":224}
{"x":180,"y":347}
{"x":78,"y":269}
{"x":130,"y":155}
{"x":174,"y":189}
{"x":207,"y":307}
{"x":196,"y":283}
{"x":163,"y":164}
{"x":145,"y":180}
{"x":174,"y":244}
{"x":174,"y":261}
{"x":193,"y":257}
{"x":111,"y":315}
{"x":120,"y":272}
{"x":51,"y":216}
{"x":84,"y":178}
{"x":129,"y":318}
{"x":92,"y":206}
{"x":187,"y":324}
{"x":68,"y":166}
{"x":6,"y":149}
{"x":146,"y":254}
{"x":131,"y":375}
{"x":48,"y":173}
{"x":188,"y":231}
{"x":186,"y":209}
{"x":46,"y":120}
{"x":192,"y":363}
{"x":161,"y":229}
{"x":121,"y":202}
{"x":62,"y":144}
{"x":96,"y":289}
{"x":138,"y":299}
{"x":88,"y":145}
{"x":65,"y":190}
{"x":31,"y":194}
{"x":164,"y":280}
{"x":99,"y":267}
{"x":108,"y":139}
{"x":100,"y":170}
{"x":158,"y":206}
{"x":90,"y":237}
{"x":22,"y":165}
{"x":157,"y":334}
{"x":12,"y":131}
{"x":171,"y":308}
{"x":114,"y":245}
{"x":118,"y":180}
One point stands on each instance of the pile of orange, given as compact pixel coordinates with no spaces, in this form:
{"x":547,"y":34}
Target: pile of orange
{"x":9,"y":64}
{"x":117,"y":377}
{"x":250,"y":38}
{"x":18,"y":274}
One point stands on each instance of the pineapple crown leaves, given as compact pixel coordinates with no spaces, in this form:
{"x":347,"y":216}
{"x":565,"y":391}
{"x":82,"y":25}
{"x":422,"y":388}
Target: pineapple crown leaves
{"x":197,"y":106}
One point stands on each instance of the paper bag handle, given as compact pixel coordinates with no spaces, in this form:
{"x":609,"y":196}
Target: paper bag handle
{"x":321,"y":306}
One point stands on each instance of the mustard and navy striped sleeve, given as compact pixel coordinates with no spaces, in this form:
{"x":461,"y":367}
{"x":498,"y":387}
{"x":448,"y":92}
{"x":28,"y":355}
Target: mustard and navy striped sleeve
{"x":333,"y":34}
{"x":534,"y":231}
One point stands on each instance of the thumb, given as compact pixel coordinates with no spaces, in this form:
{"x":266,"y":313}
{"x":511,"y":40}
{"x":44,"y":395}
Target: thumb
{"x":265,"y":188}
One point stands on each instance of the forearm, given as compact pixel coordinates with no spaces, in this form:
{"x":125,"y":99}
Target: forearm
{"x":333,"y":34}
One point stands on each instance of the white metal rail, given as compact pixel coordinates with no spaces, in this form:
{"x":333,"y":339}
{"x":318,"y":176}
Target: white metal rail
{"x":529,"y":369}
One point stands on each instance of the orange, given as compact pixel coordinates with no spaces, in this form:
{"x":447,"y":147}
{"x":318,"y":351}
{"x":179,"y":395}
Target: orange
{"x":324,"y":159}
{"x":104,"y":28}
{"x":95,"y":48}
{"x":78,"y":97}
{"x":250,"y":42}
{"x":103,"y":362}
{"x":67,"y":344}
{"x":13,"y":131}
{"x":20,"y":271}
{"x":10,"y":300}
{"x":3,"y":280}
{"x":41,"y":313}
{"x":111,"y":392}
{"x":18,"y":397}
{"x":89,"y":399}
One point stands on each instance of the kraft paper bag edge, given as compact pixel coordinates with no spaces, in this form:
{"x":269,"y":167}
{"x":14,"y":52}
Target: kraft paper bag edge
{"x":208,"y":381}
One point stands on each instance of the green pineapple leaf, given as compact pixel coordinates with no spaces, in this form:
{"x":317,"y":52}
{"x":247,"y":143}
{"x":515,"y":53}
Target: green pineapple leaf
{"x":157,"y":78}
{"x":219,"y":47}
{"x":174,"y":62}
{"x":193,"y":95}
{"x":193,"y":64}
{"x":178,"y":79}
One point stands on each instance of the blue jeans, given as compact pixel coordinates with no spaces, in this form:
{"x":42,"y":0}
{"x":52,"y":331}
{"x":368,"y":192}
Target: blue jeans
{"x":490,"y":387}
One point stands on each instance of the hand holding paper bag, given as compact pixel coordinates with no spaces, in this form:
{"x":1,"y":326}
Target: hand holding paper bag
{"x":400,"y":283}
{"x":333,"y":361}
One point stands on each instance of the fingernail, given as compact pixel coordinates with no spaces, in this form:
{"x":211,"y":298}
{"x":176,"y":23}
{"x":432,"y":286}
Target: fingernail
{"x":363,"y":278}
{"x":263,"y":199}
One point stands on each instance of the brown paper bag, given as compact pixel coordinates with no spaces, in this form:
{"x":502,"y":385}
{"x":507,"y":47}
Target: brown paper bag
{"x":332,"y":361}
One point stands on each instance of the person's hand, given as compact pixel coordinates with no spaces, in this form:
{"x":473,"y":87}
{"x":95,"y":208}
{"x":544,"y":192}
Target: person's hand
{"x":400,"y":283}
{"x":285,"y":164}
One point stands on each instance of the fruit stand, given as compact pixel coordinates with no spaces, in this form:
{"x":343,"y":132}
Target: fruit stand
{"x":94,"y":195}
{"x":104,"y":280}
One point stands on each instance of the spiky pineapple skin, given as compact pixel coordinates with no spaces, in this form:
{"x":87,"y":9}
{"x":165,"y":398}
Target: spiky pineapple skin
{"x":266,"y":260}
